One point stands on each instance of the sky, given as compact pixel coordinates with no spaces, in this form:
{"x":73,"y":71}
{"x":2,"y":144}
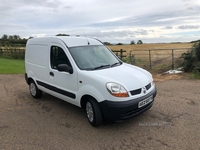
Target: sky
{"x":113,"y":21}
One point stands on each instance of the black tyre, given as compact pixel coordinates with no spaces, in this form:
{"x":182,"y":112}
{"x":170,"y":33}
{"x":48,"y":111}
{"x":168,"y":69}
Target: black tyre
{"x":93,"y":112}
{"x":35,"y":92}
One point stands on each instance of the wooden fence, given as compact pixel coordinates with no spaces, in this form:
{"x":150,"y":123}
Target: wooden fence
{"x":12,"y":52}
{"x":162,"y":59}
{"x":119,"y":53}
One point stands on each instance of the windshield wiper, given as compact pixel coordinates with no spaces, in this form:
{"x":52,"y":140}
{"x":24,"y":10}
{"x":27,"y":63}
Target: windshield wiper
{"x":105,"y":66}
{"x":117,"y":63}
{"x":99,"y":67}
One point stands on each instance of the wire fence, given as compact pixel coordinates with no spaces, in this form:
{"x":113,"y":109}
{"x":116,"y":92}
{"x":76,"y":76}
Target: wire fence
{"x":158,"y":59}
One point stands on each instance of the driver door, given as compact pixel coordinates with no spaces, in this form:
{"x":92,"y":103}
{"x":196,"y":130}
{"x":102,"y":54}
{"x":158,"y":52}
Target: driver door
{"x":64,"y":84}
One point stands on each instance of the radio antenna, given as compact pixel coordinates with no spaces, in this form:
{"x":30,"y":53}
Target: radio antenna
{"x":86,"y":38}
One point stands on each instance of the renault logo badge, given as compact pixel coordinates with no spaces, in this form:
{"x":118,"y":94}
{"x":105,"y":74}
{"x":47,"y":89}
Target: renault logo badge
{"x":144,"y":90}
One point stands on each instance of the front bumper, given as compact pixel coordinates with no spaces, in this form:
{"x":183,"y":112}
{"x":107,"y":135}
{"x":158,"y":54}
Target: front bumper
{"x":119,"y":111}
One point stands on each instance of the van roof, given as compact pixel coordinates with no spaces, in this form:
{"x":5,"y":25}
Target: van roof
{"x":70,"y":41}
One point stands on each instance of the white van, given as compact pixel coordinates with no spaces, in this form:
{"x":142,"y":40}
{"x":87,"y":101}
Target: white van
{"x":86,"y":73}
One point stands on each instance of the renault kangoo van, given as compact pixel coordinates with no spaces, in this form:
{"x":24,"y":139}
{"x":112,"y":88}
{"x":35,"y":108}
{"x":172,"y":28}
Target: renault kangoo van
{"x":86,"y":73}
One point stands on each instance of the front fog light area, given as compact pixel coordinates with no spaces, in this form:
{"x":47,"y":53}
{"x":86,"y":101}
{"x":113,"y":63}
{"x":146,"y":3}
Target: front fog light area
{"x":116,"y":90}
{"x":153,"y":83}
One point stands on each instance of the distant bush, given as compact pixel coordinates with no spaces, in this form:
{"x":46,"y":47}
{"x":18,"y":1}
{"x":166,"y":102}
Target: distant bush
{"x":62,"y":34}
{"x":132,"y":42}
{"x":192,"y":59}
{"x":195,"y":41}
{"x":107,"y":43}
{"x":139,"y":42}
{"x":119,"y":44}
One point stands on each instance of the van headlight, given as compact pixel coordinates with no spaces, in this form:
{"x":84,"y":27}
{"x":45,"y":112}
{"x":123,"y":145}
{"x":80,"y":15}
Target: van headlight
{"x":116,"y":90}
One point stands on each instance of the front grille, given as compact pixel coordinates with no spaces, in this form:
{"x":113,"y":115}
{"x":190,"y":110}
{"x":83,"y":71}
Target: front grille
{"x":148,"y":86}
{"x":138,"y":91}
{"x":135,"y":92}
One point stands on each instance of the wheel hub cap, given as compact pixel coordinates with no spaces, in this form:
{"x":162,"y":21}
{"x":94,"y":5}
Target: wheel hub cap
{"x":32,"y":89}
{"x":89,"y":111}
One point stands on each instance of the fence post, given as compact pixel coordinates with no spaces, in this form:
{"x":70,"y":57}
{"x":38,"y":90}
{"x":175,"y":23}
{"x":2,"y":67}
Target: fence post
{"x":132,"y":59}
{"x":172,"y":59}
{"x":121,"y":53}
{"x":1,"y":51}
{"x":150,"y":59}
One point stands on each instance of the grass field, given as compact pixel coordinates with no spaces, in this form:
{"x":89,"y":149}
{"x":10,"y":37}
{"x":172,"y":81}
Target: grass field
{"x":11,"y":66}
{"x":143,"y":47}
{"x":161,"y":54}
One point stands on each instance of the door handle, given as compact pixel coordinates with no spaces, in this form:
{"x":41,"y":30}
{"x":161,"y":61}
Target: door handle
{"x":51,"y":73}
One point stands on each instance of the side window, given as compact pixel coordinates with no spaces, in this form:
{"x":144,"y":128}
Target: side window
{"x":58,"y":56}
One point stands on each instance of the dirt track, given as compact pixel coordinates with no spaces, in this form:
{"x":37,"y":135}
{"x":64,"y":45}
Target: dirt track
{"x":26,"y":123}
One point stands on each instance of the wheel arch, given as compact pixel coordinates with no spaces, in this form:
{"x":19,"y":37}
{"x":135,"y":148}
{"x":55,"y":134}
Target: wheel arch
{"x":29,"y":76}
{"x":29,"y":80}
{"x":84,"y":99}
{"x":89,"y":91}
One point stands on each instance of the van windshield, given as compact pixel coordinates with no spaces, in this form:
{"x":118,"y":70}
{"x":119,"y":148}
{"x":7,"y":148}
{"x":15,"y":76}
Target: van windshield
{"x":94,"y":57}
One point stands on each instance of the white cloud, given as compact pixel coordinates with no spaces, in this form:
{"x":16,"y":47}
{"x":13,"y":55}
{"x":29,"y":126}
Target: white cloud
{"x":112,"y":21}
{"x":189,"y":27}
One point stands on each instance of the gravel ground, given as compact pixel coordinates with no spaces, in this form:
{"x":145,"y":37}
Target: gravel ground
{"x":49,"y":123}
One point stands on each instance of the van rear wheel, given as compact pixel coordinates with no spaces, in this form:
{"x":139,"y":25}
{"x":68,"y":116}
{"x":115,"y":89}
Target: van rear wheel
{"x":35,"y":92}
{"x":93,"y":112}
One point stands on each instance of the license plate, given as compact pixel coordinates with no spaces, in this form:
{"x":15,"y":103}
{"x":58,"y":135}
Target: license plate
{"x":145,"y":102}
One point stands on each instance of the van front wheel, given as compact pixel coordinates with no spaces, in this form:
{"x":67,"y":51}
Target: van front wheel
{"x":35,"y":92}
{"x":93,"y":112}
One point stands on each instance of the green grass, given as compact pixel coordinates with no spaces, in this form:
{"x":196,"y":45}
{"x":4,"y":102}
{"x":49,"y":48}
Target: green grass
{"x":195,"y":75}
{"x":11,"y":66}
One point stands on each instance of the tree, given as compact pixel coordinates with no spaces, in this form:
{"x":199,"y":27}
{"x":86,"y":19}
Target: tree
{"x":192,"y":59}
{"x":119,"y":44}
{"x":4,"y":37}
{"x":16,"y":37}
{"x":132,"y":42}
{"x":12,"y":40}
{"x":107,"y":43}
{"x":10,"y":37}
{"x":139,"y":42}
{"x":62,"y":35}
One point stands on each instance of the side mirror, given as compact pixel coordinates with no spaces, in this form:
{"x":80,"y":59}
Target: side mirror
{"x":65,"y":68}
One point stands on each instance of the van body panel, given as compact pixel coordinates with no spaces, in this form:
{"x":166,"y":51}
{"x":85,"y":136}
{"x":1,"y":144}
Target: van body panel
{"x":122,"y":74}
{"x":119,"y":74}
{"x":91,"y":91}
{"x":36,"y":61}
